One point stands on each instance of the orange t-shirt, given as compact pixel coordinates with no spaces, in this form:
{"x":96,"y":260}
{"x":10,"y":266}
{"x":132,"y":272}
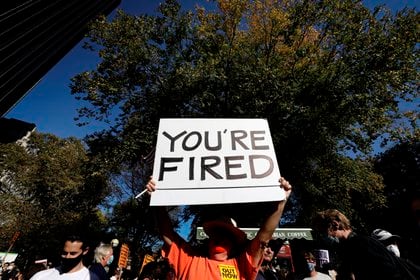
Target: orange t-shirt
{"x":190,"y":266}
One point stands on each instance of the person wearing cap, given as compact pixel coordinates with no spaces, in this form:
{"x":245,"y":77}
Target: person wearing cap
{"x":267,"y":271}
{"x":229,"y":255}
{"x":388,"y":239}
{"x":361,"y":257}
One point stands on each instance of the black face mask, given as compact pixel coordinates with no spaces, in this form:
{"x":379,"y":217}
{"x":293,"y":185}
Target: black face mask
{"x":67,"y":264}
{"x":330,"y":241}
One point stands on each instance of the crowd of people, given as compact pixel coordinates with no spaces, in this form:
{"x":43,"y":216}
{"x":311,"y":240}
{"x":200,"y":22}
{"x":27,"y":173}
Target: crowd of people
{"x":360,"y":256}
{"x":230,"y":255}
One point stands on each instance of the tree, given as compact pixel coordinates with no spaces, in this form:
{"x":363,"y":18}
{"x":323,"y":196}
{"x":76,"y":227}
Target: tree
{"x":328,"y":75}
{"x":400,"y":168}
{"x":131,"y":220}
{"x":48,"y":188}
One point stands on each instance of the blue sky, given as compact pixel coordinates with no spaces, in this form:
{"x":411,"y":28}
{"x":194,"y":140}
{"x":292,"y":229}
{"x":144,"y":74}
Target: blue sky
{"x":51,"y":106}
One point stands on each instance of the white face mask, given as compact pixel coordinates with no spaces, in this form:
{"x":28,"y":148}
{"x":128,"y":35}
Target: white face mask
{"x":110,"y":260}
{"x":311,"y":266}
{"x":394,"y":249}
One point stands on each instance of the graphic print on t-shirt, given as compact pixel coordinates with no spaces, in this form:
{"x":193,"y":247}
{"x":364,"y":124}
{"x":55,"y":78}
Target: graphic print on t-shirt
{"x":228,"y":272}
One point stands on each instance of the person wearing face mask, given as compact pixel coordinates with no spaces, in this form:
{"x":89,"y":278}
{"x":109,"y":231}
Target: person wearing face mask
{"x":389,"y":240}
{"x":312,"y":274}
{"x":229,"y":254}
{"x":103,"y":258}
{"x":360,"y":257}
{"x":71,"y":268}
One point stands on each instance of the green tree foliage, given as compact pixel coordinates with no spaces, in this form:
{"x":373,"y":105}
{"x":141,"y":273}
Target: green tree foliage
{"x":136,"y":225}
{"x":48,"y":188}
{"x":132,"y":220}
{"x":328,"y":75}
{"x":400,"y":168}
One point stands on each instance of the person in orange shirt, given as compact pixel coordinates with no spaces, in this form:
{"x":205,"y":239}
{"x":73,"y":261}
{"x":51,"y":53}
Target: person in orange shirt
{"x":229,"y":257}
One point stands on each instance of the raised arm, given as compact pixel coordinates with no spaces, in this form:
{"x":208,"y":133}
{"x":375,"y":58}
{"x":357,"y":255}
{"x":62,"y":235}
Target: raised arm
{"x":267,"y":229}
{"x":164,"y":222}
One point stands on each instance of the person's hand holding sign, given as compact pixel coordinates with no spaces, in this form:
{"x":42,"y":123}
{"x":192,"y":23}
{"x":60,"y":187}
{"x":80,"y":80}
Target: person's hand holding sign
{"x":151,"y":185}
{"x":216,"y":161}
{"x":220,"y":242}
{"x":286,"y":186}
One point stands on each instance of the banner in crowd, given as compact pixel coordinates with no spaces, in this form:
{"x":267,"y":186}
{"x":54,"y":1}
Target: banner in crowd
{"x":213,"y":161}
{"x":124,"y":254}
{"x":147,"y":259}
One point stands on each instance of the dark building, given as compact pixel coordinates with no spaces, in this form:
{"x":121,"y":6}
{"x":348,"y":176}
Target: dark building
{"x":35,"y":35}
{"x":13,"y":130}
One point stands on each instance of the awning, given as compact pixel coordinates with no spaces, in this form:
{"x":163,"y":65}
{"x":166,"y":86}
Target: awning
{"x":279,"y":233}
{"x":8,"y":257}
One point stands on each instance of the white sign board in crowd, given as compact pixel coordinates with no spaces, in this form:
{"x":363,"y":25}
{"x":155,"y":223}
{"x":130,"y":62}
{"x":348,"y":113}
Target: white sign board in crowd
{"x":214,"y":161}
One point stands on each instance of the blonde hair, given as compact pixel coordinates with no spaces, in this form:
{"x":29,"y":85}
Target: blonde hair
{"x":102,"y":251}
{"x":309,"y":256}
{"x":328,"y":219}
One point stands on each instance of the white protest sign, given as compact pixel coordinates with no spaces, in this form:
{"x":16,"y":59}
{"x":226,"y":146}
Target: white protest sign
{"x":213,"y":161}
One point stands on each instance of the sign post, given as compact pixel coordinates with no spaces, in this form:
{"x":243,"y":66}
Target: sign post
{"x":15,"y":237}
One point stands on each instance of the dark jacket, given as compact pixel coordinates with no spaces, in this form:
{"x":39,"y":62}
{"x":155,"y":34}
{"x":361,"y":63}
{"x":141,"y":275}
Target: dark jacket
{"x":266,"y":275}
{"x":369,"y":259}
{"x":98,"y":272}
